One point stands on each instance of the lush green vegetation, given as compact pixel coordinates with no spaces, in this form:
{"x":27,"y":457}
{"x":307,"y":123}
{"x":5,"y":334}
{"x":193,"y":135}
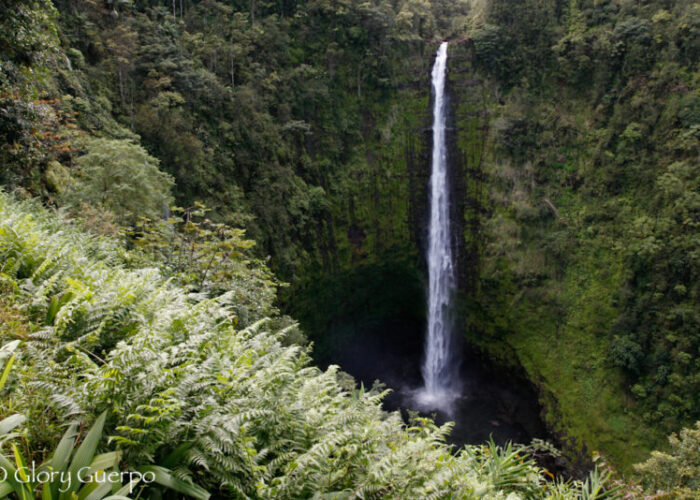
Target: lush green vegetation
{"x":575,"y":164}
{"x":233,"y":410}
{"x":589,"y":268}
{"x":677,"y":472}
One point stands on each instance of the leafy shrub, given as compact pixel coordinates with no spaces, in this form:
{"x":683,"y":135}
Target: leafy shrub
{"x":626,"y":353}
{"x":676,"y":474}
{"x":210,"y":258}
{"x":74,"y":472}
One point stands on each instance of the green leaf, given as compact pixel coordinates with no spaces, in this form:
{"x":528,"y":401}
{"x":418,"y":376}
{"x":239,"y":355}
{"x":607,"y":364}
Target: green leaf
{"x":105,"y":461}
{"x":84,"y":455}
{"x":128,"y":488}
{"x":22,"y":490}
{"x":6,"y":371}
{"x":165,"y":478}
{"x":59,"y":461}
{"x":95,"y":490}
{"x":9,"y":348}
{"x":11,"y":422}
{"x":5,"y":489}
{"x":20,"y":463}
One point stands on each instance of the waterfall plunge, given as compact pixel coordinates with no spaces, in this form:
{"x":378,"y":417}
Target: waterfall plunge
{"x":439,"y":370}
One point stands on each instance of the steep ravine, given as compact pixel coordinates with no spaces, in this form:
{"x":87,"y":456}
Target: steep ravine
{"x":370,"y":318}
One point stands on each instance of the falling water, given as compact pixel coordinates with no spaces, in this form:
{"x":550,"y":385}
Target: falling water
{"x":438,"y":366}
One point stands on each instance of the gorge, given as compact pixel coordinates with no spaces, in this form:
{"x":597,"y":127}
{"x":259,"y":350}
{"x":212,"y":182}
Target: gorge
{"x":483,"y":403}
{"x":278,"y":203}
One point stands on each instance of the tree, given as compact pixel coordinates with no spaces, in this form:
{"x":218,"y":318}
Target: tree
{"x":208,"y":257}
{"x":121,"y":177}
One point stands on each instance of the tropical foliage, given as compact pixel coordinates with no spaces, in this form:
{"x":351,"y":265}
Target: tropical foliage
{"x":208,"y":258}
{"x":233,"y":410}
{"x":584,"y":209}
{"x":677,"y":473}
{"x":302,"y":124}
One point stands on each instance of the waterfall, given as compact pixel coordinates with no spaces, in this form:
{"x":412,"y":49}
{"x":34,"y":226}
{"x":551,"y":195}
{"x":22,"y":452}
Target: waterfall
{"x":438,"y":367}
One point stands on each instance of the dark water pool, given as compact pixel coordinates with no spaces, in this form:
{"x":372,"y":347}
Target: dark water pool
{"x":492,"y":403}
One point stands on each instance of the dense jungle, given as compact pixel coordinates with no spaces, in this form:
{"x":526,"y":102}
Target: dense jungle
{"x":214,"y":223}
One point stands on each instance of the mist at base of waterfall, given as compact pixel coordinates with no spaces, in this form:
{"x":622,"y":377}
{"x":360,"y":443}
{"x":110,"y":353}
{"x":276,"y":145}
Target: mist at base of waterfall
{"x":493,"y":401}
{"x":488,"y":406}
{"x":443,"y":400}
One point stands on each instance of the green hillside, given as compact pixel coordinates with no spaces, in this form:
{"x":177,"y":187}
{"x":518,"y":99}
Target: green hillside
{"x":296,"y":137}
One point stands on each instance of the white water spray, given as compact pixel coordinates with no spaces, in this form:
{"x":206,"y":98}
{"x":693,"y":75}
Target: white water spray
{"x":441,"y":387}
